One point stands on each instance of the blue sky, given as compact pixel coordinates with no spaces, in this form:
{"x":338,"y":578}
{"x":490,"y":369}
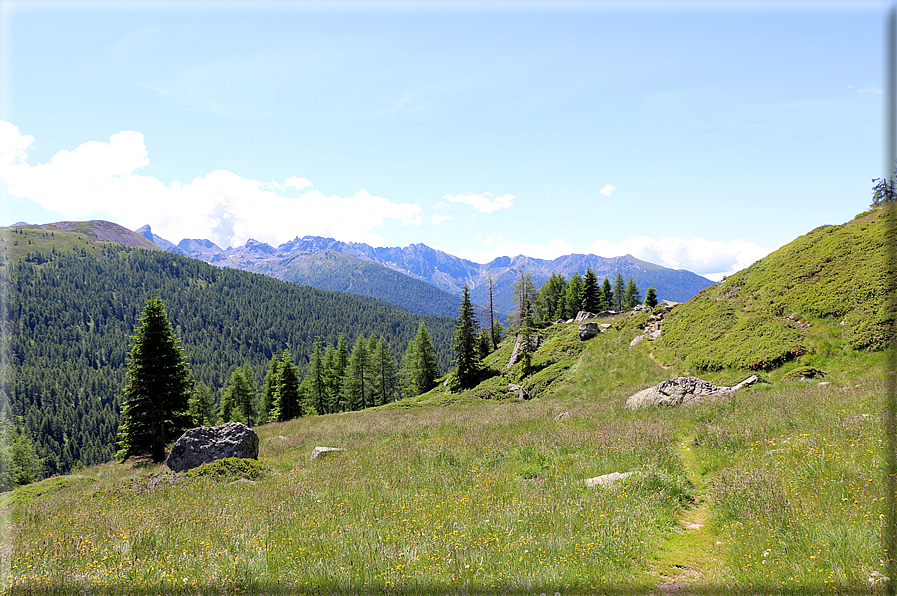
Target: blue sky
{"x":694,"y":135}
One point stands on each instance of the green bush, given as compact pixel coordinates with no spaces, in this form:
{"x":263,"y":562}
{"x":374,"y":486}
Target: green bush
{"x":229,"y":469}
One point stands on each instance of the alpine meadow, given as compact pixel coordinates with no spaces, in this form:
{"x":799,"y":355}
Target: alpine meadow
{"x":479,"y":454}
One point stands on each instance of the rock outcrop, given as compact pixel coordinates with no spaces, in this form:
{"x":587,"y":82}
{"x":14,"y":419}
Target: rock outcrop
{"x":535,"y":342}
{"x":522,"y":393}
{"x":682,"y":391}
{"x":206,"y":444}
{"x":588,"y":331}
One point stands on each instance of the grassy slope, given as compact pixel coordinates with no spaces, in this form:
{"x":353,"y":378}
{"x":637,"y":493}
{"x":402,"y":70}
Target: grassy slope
{"x":466,"y":495}
{"x":834,"y":278}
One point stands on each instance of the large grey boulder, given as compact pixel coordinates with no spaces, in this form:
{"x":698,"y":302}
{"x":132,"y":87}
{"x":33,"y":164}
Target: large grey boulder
{"x":588,"y":331}
{"x":206,"y":444}
{"x":682,"y":391}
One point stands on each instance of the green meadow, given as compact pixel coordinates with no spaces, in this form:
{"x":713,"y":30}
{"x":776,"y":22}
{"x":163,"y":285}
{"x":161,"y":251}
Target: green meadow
{"x":775,"y":490}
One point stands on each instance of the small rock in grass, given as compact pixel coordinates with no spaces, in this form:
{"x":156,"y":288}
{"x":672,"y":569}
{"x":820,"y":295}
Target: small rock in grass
{"x":608,"y":479}
{"x":322,"y":451}
{"x":562,"y":416}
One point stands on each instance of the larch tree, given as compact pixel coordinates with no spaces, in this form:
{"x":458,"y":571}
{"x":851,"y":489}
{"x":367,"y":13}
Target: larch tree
{"x":157,"y":395}
{"x":420,"y":365}
{"x":631,"y":295}
{"x":269,"y":390}
{"x":619,"y":290}
{"x":356,"y":385}
{"x":317,"y":379}
{"x":523,"y":291}
{"x":202,"y":409}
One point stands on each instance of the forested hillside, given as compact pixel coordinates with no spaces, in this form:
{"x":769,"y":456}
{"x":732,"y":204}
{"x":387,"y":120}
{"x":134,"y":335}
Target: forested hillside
{"x":74,"y":302}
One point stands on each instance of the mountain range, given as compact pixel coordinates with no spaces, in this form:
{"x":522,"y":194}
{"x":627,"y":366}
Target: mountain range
{"x":359,"y":268}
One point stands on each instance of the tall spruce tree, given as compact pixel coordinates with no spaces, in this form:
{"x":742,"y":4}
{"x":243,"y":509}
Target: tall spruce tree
{"x":551,"y":300}
{"x":651,"y":297}
{"x":467,"y":361}
{"x":238,"y":401}
{"x":156,"y":406}
{"x":591,"y":293}
{"x":573,"y":299}
{"x":288,"y":399}
{"x":607,"y":295}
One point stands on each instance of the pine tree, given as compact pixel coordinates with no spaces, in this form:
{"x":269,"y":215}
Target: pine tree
{"x":607,"y":295}
{"x":269,"y":390}
{"x":156,"y":406}
{"x":317,"y":379}
{"x":573,"y":299}
{"x":527,"y":339}
{"x":650,"y":297}
{"x":202,"y":410}
{"x":591,"y":293}
{"x":338,"y":374}
{"x":618,"y":293}
{"x":288,"y":400}
{"x":492,"y":321}
{"x":238,"y":401}
{"x":631,"y":295}
{"x":356,"y":385}
{"x":466,"y":361}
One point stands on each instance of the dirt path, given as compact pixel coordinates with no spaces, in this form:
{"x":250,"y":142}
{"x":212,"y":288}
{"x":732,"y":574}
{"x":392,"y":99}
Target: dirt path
{"x":690,"y":560}
{"x":651,"y":356}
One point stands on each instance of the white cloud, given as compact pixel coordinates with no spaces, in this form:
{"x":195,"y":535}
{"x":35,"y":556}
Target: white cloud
{"x":712,"y":259}
{"x":97,"y":180}
{"x":607,"y":190}
{"x":482,"y":203}
{"x":438,"y":219}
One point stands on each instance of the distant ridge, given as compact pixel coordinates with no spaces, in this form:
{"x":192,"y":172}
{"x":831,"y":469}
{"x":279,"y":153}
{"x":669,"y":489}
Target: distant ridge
{"x":437,"y":268}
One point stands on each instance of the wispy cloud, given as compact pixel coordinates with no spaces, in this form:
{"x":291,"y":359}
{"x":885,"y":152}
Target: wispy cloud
{"x":608,"y":190}
{"x":97,"y":180}
{"x":438,"y":219}
{"x":712,"y":259}
{"x":482,"y":202}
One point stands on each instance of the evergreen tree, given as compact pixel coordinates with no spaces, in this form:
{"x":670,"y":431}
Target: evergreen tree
{"x":484,"y":344}
{"x":156,"y":406}
{"x":607,"y":295}
{"x":202,"y":410}
{"x":631,"y":295}
{"x":288,"y":399}
{"x":492,"y":321}
{"x":269,"y":390}
{"x":650,"y":297}
{"x":25,"y":465}
{"x":385,"y":376}
{"x":356,"y":385}
{"x":338,"y":370}
{"x":466,"y":361}
{"x":527,"y":339}
{"x":419,"y":365}
{"x":551,"y":300}
{"x":618,"y":293}
{"x":591,"y":293}
{"x":238,"y":401}
{"x":317,"y":380}
{"x":573,"y":299}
